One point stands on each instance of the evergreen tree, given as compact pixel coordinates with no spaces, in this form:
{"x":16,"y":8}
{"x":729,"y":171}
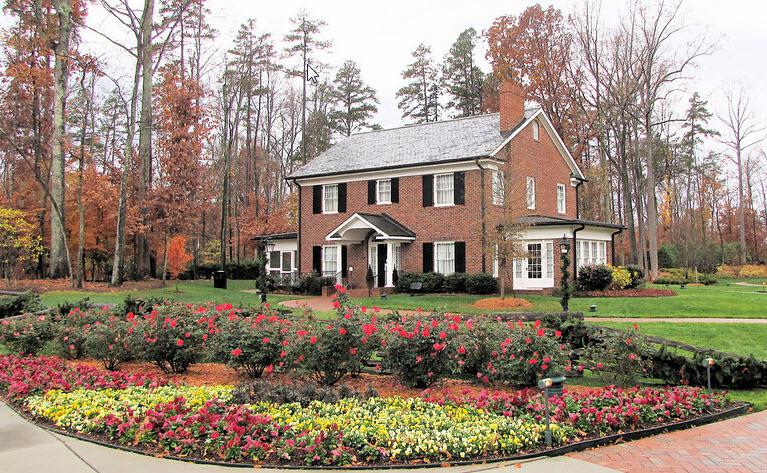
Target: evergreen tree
{"x":355,"y":101}
{"x":419,"y":98}
{"x":462,"y":80}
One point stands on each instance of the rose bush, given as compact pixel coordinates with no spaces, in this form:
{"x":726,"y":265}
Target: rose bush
{"x":26,"y":335}
{"x":618,"y":357}
{"x":110,"y":341}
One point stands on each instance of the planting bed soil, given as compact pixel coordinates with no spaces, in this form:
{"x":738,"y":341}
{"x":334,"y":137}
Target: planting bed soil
{"x":645,"y":292}
{"x":497,"y":303}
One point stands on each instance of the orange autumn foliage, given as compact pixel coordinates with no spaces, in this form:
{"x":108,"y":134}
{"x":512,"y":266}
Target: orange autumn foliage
{"x":178,"y":258}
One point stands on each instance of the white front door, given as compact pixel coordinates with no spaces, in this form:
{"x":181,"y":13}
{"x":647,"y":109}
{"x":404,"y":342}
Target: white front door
{"x":537,"y":270}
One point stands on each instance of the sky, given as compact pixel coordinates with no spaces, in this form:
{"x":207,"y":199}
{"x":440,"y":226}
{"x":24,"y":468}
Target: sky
{"x":380,"y":36}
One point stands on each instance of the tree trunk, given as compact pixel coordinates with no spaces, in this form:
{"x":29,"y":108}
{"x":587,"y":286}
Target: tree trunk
{"x":145,"y":133}
{"x":59,"y":264}
{"x":652,"y":206}
{"x":741,"y":207}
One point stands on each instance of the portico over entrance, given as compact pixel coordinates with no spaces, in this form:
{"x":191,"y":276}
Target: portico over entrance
{"x":383,"y":238}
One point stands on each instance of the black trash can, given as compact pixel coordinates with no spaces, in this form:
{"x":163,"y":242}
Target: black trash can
{"x":219,"y":279}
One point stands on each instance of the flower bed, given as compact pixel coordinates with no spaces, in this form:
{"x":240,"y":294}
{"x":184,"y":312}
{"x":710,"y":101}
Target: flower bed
{"x":206,"y":422}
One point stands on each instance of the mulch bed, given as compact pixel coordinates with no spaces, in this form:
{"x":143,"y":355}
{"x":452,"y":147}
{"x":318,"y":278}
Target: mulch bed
{"x":645,"y":292}
{"x":46,"y":285}
{"x":495,"y":303}
{"x":210,"y":374}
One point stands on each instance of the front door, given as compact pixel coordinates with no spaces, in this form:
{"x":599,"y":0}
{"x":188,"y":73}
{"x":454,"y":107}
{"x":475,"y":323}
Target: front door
{"x":381,"y":265}
{"x":537,"y":270}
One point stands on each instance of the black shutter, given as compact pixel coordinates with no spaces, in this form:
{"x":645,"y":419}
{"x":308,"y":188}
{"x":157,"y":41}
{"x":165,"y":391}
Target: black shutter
{"x":342,"y":197}
{"x":428,"y":257}
{"x":371,"y":192}
{"x":459,"y":182}
{"x":317,"y":199}
{"x":428,"y":190}
{"x":344,"y":269}
{"x":460,"y":257}
{"x":394,"y":190}
{"x":317,"y":259}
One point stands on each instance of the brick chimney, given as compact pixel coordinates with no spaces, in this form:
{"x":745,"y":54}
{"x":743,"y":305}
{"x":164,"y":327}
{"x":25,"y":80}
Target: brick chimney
{"x":511,"y":105}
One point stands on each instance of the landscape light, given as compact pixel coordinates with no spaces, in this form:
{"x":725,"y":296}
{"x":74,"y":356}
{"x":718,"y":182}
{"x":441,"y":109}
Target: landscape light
{"x":544,"y":386}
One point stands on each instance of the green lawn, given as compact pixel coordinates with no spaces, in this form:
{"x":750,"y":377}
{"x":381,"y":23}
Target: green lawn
{"x":721,"y":300}
{"x":741,"y":339}
{"x":184,"y":291}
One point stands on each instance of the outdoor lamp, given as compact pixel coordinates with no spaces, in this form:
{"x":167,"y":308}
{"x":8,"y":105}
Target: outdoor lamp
{"x":564,"y":247}
{"x":709,"y":363}
{"x":544,"y":386}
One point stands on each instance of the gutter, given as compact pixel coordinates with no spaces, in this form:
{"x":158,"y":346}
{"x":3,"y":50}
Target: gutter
{"x":483,"y":224}
{"x":298,"y":233}
{"x":612,"y":245}
{"x":578,"y":194}
{"x":575,"y":251}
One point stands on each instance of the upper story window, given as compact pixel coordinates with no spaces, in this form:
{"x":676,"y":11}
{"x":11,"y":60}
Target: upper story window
{"x":383,"y":191}
{"x":536,"y":131}
{"x":499,"y":187}
{"x":531,"y":193}
{"x":330,"y":199}
{"x":561,"y":204}
{"x":444,"y":189}
{"x":444,"y":257}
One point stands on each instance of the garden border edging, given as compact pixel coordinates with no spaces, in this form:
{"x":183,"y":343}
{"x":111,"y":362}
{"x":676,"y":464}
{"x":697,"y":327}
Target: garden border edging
{"x":553,"y":452}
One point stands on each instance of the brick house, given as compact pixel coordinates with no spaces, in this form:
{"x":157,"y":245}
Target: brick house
{"x":431,"y":197}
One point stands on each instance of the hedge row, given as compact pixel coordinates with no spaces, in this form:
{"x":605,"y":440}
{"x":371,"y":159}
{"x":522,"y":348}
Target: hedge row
{"x":479,"y":283}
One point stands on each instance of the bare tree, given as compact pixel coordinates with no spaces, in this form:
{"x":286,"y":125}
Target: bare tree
{"x":743,"y":131}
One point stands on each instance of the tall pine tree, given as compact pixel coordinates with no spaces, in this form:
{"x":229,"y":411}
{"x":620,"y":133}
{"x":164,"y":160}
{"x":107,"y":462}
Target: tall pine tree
{"x":462,"y":79}
{"x":419,"y":98}
{"x":355,"y":101}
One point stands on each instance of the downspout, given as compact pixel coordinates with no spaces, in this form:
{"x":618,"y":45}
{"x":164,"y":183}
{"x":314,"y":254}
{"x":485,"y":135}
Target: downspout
{"x":298,"y":233}
{"x":575,"y":250}
{"x":612,"y":245}
{"x":578,"y":195}
{"x":482,"y":211}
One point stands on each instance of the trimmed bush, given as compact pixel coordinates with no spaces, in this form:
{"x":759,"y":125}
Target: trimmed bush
{"x":594,"y":278}
{"x":456,"y":282}
{"x":481,"y":283}
{"x":20,"y":304}
{"x":312,"y":284}
{"x":405,"y":279}
{"x":433,"y":282}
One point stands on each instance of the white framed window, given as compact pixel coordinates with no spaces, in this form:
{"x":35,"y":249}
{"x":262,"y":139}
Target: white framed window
{"x":398,"y":257}
{"x":330,"y":198}
{"x":495,"y":260}
{"x":549,"y":259}
{"x":561,"y":203}
{"x":443,"y":189}
{"x":287,"y":261}
{"x":330,"y":260}
{"x":383,"y":191}
{"x":590,"y":253}
{"x":536,"y":131}
{"x":534,"y":261}
{"x":499,"y":187}
{"x":444,"y":257}
{"x":518,"y":267}
{"x":274,"y":260}
{"x":531,"y":193}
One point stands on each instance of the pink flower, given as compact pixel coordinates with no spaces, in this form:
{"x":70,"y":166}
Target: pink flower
{"x":180,"y":342}
{"x":265,"y":340}
{"x":341,"y":289}
{"x":442,"y":335}
{"x":237,"y":352}
{"x":557,"y":333}
{"x":336,"y":305}
{"x":313,"y":340}
{"x":342,"y":331}
{"x":269,"y":369}
{"x":462,"y":350}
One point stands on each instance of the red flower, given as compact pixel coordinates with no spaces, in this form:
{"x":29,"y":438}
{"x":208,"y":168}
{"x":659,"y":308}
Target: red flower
{"x":180,"y":342}
{"x":557,"y":333}
{"x":336,"y":305}
{"x":533,"y":361}
{"x":462,"y":350}
{"x":237,"y":352}
{"x":342,"y":331}
{"x":541,"y":332}
{"x":442,"y":335}
{"x":265,"y":340}
{"x":341,"y":289}
{"x":537,"y":324}
{"x":269,"y":369}
{"x":313,"y":340}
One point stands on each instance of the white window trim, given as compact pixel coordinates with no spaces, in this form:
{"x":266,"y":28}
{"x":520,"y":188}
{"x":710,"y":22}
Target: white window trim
{"x":338,"y":269}
{"x":536,"y":130}
{"x":271,"y":263}
{"x":496,"y":251}
{"x":561,"y":187}
{"x":530,"y":198}
{"x":292,"y":263}
{"x":499,"y":194}
{"x":378,"y":192}
{"x":438,"y":243}
{"x":324,"y":199}
{"x":434,"y":190}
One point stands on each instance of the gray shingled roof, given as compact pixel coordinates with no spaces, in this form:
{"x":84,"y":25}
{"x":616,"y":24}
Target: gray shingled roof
{"x":386,"y":224}
{"x":430,"y":143}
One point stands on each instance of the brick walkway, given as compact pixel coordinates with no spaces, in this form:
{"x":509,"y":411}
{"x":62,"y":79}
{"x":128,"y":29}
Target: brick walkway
{"x":735,"y":445}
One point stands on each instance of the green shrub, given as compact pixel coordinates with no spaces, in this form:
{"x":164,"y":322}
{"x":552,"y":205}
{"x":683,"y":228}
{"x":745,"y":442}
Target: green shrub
{"x":527,"y":354}
{"x":66,"y":307}
{"x":405,"y":279}
{"x":433,"y":282}
{"x":20,"y":304}
{"x":26,"y":335}
{"x":109,"y":341}
{"x":312,"y":284}
{"x":481,"y":283}
{"x":170,"y":337}
{"x":138,"y":306}
{"x":618,"y":357}
{"x":421,"y":350}
{"x":251,"y":344}
{"x":456,"y":282}
{"x":594,"y":278}
{"x":668,"y":256}
{"x":71,"y":330}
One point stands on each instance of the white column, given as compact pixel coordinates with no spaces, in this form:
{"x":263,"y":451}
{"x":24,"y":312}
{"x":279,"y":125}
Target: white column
{"x":389,"y":264}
